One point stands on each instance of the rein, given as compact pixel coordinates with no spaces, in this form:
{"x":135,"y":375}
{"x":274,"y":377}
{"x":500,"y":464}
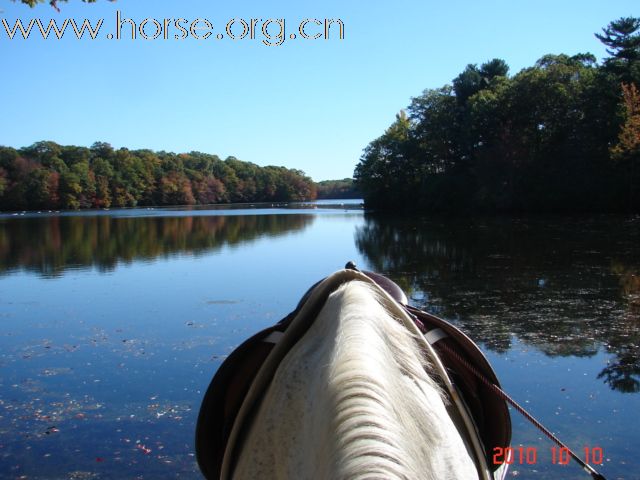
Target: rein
{"x":504,"y":396}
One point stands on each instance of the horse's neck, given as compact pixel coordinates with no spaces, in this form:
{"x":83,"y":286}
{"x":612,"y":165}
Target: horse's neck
{"x":352,"y":400}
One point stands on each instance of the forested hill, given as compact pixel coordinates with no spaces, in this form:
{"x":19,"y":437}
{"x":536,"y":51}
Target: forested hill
{"x":51,"y":176}
{"x":337,"y":189}
{"x":560,"y":136}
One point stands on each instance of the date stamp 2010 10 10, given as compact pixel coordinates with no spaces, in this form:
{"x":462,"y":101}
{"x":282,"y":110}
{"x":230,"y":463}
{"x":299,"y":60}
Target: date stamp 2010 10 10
{"x":529,"y":455}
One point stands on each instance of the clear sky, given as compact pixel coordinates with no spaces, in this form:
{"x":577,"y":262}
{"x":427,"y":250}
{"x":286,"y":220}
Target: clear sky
{"x":307,"y":104}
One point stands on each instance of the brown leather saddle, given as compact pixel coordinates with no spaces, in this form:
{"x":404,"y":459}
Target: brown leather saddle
{"x":227,"y":391}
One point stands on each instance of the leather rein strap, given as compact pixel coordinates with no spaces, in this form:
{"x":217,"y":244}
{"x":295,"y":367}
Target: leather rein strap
{"x":504,"y":396}
{"x":433,"y":336}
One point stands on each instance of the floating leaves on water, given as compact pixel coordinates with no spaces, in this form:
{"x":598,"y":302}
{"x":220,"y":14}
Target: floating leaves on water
{"x":222,"y":302}
{"x":52,"y":372}
{"x":79,"y":475}
{"x":168,"y":410}
{"x":144,"y":449}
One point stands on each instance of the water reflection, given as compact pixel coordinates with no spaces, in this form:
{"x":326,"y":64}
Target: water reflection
{"x":566,"y":286}
{"x":51,"y":245}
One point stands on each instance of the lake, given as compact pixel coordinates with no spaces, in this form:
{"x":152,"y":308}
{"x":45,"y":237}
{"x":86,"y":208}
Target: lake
{"x":112,"y":323}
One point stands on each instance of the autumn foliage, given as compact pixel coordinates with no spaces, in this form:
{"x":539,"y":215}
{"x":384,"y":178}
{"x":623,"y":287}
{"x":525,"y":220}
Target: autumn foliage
{"x":629,"y":137}
{"x":46,"y":175}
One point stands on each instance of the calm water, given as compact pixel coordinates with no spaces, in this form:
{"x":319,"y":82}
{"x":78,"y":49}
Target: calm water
{"x":113,"y":323}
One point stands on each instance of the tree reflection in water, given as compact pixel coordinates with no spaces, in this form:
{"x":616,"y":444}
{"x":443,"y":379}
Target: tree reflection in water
{"x":568,"y":286}
{"x":53,"y":244}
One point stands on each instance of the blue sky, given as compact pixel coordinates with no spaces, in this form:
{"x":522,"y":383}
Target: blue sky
{"x":307,"y":104}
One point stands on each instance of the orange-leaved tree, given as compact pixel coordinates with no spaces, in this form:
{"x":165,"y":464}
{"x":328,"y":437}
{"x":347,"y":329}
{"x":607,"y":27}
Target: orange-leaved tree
{"x":628,"y":147}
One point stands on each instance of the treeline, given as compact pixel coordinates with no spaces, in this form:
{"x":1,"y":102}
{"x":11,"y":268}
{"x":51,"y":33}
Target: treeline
{"x":337,"y":189}
{"x":562,"y":135}
{"x":51,"y":176}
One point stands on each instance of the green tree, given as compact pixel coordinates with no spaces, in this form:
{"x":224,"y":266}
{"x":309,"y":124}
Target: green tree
{"x":42,"y":189}
{"x":622,"y":37}
{"x":3,"y":182}
{"x":87,"y":180}
{"x":384,"y":174}
{"x":494,"y":69}
{"x":103,"y":173}
{"x":70,"y":191}
{"x":474,"y":79}
{"x":467,"y":83}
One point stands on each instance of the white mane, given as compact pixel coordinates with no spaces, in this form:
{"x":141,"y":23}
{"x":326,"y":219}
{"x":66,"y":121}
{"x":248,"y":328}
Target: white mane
{"x":352,"y":400}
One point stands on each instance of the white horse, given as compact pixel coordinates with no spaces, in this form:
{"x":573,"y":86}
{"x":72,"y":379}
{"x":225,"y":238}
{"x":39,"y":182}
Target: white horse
{"x":352,"y":399}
